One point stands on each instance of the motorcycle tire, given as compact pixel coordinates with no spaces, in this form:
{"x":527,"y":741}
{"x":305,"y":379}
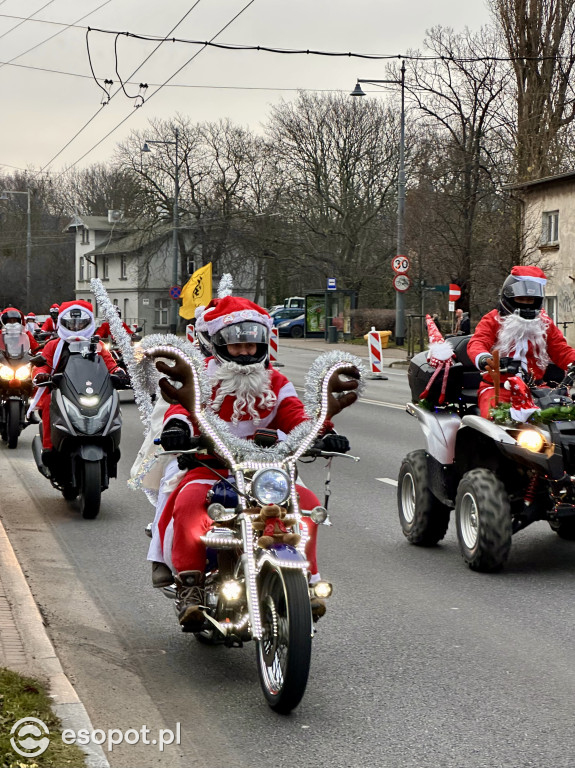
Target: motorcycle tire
{"x":90,"y":489}
{"x":13,"y":423}
{"x":424,"y":519}
{"x":483,"y":521}
{"x":565,"y":529}
{"x":284,"y":650}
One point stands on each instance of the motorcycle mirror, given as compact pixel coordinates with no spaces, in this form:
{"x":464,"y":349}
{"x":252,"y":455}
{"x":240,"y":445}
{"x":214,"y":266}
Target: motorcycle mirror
{"x":138,"y":329}
{"x":136,"y":337}
{"x":38,"y":360}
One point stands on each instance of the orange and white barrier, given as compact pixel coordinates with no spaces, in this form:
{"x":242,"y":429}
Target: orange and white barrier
{"x":190,"y":333}
{"x":273,"y":345}
{"x":375,"y":355}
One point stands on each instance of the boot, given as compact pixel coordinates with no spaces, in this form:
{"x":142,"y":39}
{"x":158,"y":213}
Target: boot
{"x":190,"y":591}
{"x":318,"y":608}
{"x":161,"y":575}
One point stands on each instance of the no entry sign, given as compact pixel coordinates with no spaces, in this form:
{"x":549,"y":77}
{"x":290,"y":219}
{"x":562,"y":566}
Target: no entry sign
{"x":454,"y":292}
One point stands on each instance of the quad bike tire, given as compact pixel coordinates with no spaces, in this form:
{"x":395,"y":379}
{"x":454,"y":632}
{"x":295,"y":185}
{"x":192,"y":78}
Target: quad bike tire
{"x":565,"y":529}
{"x":424,"y":519}
{"x":483,"y":521}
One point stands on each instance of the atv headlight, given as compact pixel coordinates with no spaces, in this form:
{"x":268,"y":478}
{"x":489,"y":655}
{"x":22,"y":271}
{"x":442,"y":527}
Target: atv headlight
{"x":24,"y":372}
{"x":6,"y":373}
{"x":271,"y":486}
{"x":531,"y":440}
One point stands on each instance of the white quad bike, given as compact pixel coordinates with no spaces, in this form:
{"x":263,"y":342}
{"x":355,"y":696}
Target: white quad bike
{"x":499,"y":478}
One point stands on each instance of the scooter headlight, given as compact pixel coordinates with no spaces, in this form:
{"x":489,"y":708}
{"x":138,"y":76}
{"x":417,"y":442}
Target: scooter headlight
{"x":89,"y":425}
{"x":24,"y":372}
{"x":531,"y":440}
{"x":6,"y":373}
{"x":271,"y":486}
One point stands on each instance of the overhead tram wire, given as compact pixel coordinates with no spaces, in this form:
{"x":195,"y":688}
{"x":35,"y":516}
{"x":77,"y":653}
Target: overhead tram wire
{"x":24,"y":20}
{"x":130,"y":114}
{"x":59,"y":32}
{"x":83,"y":128}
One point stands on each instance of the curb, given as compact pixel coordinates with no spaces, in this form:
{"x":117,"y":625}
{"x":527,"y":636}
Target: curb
{"x":39,"y":651}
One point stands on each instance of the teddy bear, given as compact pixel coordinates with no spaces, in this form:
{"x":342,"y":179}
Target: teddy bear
{"x":274,"y":522}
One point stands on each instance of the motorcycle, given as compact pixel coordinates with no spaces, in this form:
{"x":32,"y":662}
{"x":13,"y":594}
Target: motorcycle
{"x":86,"y":425}
{"x":500,"y":476}
{"x":16,"y":364}
{"x":255,"y":591}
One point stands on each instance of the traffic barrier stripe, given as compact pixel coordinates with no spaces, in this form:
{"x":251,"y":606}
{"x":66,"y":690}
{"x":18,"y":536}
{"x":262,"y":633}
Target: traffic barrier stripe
{"x":273,"y":345}
{"x":375,"y":355}
{"x":190,"y":333}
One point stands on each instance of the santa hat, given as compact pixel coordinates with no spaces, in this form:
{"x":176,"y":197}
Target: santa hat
{"x":30,"y":314}
{"x":232,"y":310}
{"x":54,"y":306}
{"x":534,"y":274}
{"x":86,"y":306}
{"x":522,"y":405}
{"x":14,"y":309}
{"x":439,"y":349}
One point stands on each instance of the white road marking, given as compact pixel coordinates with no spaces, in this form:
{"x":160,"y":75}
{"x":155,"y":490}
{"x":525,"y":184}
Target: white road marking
{"x":397,"y":406}
{"x":387,"y":480}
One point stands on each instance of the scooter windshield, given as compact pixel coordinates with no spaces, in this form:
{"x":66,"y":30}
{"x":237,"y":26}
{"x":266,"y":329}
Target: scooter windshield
{"x":14,"y":343}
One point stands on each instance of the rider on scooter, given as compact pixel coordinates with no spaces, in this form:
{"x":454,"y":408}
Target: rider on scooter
{"x":12,"y":316}
{"x":522,"y":331}
{"x":75,"y":323}
{"x":248,"y":394}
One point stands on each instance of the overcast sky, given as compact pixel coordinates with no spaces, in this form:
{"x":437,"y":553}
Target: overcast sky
{"x":42,"y":111}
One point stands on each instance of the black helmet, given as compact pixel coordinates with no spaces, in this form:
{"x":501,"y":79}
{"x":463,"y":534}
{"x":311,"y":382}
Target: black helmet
{"x":11,"y":315}
{"x":204,"y":343}
{"x":245,"y":332}
{"x":522,"y":287}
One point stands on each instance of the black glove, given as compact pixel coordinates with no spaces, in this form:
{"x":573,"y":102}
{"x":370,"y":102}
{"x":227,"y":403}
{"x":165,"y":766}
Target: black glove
{"x":41,"y":378}
{"x":176,"y":436}
{"x":483,"y":360}
{"x":120,"y":379}
{"x":333,"y":443}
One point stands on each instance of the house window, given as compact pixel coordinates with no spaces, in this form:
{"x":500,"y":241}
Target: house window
{"x":125,"y":309}
{"x":190,"y":267}
{"x":123,"y":267}
{"x":85,"y":236}
{"x":161,"y":307}
{"x":550,"y":303}
{"x":105,"y":267}
{"x":88,"y":270}
{"x":81,"y":275}
{"x":550,"y":233}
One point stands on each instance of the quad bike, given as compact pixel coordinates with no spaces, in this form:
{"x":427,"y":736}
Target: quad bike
{"x":499,"y":477}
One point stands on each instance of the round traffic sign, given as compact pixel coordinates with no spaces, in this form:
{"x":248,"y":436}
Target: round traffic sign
{"x":400,"y":264}
{"x":401,"y":283}
{"x":175,"y":291}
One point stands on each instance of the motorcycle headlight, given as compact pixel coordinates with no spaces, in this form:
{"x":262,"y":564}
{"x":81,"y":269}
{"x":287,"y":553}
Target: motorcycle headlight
{"x":89,"y":401}
{"x":24,"y":372}
{"x":6,"y":373}
{"x":107,"y":345}
{"x":531,"y":440}
{"x":89,"y":425}
{"x":271,"y":486}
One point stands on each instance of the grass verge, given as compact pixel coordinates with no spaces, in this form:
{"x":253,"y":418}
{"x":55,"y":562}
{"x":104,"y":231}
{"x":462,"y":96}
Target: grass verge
{"x":23,"y":697}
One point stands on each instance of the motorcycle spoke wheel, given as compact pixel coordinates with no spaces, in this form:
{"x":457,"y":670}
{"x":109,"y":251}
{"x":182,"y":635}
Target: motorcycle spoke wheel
{"x":90,"y":489}
{"x":284,"y":650}
{"x":13,"y":423}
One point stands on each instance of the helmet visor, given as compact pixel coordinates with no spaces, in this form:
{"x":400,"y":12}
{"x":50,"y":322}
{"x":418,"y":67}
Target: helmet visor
{"x":11,"y":316}
{"x":75,"y":320}
{"x":524,"y":289}
{"x":247,"y":332}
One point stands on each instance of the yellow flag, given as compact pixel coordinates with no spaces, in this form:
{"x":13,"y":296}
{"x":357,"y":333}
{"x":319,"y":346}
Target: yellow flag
{"x":197,"y":291}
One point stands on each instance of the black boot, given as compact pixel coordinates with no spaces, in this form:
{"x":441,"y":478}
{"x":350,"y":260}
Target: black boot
{"x":161,"y":575}
{"x":190,"y":600}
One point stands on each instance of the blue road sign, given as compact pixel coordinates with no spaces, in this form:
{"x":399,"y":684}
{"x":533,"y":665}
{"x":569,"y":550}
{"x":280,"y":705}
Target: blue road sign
{"x":175,"y":291}
{"x":331,"y":286}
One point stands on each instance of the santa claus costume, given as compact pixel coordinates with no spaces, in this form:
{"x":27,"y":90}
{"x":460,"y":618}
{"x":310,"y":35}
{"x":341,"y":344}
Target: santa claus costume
{"x":248,"y":394}
{"x":520,"y":331}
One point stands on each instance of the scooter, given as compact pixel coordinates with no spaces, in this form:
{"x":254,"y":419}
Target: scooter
{"x":86,"y":425}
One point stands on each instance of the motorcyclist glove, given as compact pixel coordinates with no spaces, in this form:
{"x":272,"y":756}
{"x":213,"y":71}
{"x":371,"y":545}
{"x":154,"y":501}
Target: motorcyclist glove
{"x":176,"y":436}
{"x":333,"y":443}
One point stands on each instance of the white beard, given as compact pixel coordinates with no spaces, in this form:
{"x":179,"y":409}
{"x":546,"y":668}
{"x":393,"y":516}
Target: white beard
{"x":517,"y":332}
{"x":250,"y":385}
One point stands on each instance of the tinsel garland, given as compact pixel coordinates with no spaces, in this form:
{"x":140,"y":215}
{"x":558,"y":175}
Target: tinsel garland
{"x":317,"y":373}
{"x":226,"y":286}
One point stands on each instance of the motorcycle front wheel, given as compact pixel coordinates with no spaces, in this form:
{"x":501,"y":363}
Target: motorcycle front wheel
{"x":13,"y":423}
{"x":284,"y":650}
{"x":90,"y":489}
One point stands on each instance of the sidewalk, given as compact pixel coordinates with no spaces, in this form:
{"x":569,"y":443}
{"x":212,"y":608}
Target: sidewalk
{"x":391,"y":357}
{"x":26,"y":648}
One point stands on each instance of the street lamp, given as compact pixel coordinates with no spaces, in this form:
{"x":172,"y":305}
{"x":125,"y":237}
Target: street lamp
{"x":399,"y":296}
{"x":4,"y":196}
{"x":146,"y":148}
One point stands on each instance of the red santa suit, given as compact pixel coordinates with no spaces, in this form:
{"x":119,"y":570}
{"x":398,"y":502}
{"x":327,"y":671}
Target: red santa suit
{"x":184,"y":518}
{"x":487,"y":338}
{"x":33,"y":342}
{"x":104,"y":331}
{"x":48,"y":325}
{"x":56,"y":356}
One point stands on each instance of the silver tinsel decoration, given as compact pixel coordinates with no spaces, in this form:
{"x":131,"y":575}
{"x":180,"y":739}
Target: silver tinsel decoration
{"x":226,"y":286}
{"x":317,"y":377}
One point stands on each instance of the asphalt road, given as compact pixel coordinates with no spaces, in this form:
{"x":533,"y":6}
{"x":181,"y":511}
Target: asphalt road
{"x":419,"y":663}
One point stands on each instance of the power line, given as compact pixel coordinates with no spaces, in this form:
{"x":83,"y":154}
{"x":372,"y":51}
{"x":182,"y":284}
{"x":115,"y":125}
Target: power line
{"x":24,"y":19}
{"x":75,"y":136}
{"x":60,"y":31}
{"x":158,"y":89}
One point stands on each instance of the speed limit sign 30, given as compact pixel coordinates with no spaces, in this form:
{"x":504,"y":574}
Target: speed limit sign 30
{"x":400,"y":264}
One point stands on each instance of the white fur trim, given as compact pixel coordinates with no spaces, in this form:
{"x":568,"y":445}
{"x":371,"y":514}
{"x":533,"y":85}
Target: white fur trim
{"x":440,"y":350}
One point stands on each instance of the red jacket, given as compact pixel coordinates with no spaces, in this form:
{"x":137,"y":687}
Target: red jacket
{"x":104,"y":330}
{"x":485,"y":338}
{"x":287,"y":412}
{"x":48,"y":325}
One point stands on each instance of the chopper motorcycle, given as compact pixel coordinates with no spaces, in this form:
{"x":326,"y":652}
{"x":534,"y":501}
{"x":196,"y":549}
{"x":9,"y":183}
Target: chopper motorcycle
{"x":256,"y":591}
{"x":16,"y":364}
{"x":86,"y":425}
